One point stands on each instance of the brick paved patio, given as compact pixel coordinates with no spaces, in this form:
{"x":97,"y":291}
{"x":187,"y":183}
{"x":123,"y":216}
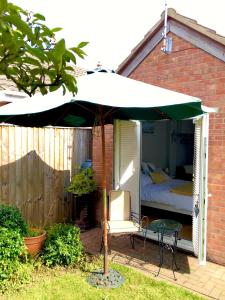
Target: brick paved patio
{"x":208,"y":280}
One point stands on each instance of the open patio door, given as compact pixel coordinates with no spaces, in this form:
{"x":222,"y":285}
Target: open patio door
{"x":127,"y":160}
{"x":200,"y":188}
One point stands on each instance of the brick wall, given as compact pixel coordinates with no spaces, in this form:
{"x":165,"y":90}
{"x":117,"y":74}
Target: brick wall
{"x":192,"y":71}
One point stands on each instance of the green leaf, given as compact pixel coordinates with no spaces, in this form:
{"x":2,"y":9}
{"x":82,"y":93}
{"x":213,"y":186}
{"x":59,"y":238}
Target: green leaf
{"x":38,"y":53}
{"x":3,"y":5}
{"x":20,"y":25}
{"x":60,"y":49}
{"x":36,"y":72}
{"x":68,"y":78}
{"x":51,"y":74}
{"x":83,"y":44}
{"x":54,"y":88}
{"x":56,"y":29}
{"x":13,"y":71}
{"x":37,"y":31}
{"x":69,"y":68}
{"x":46,"y":31}
{"x":39,"y":17}
{"x":43,"y":90}
{"x":58,"y":53}
{"x":70,"y":56}
{"x":78,"y":51}
{"x":31,"y":61}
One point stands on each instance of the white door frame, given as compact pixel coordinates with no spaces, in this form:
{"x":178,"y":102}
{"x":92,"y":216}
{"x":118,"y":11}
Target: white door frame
{"x":203,"y":180}
{"x":126,"y":174}
{"x":203,"y":190}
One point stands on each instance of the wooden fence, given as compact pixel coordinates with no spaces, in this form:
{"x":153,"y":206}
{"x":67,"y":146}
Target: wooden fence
{"x":36,"y":165}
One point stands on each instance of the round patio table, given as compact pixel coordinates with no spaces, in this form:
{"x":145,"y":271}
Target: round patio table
{"x":169,"y":228}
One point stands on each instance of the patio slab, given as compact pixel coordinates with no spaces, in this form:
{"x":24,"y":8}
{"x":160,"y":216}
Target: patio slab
{"x":208,"y":280}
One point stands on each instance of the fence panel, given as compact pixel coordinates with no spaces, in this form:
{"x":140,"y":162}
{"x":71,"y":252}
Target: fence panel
{"x":36,"y":165}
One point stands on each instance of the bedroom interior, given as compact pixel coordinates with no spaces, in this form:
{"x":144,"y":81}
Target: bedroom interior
{"x":167,"y":172}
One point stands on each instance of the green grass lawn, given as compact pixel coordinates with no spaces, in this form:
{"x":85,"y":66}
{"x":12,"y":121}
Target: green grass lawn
{"x":71,"y":284}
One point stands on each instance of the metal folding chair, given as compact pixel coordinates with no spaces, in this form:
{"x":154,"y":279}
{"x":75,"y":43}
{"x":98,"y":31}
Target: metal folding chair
{"x":121,"y":219}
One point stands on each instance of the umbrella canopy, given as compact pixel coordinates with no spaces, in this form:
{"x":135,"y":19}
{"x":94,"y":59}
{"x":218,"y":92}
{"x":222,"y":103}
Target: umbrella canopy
{"x":119,"y":97}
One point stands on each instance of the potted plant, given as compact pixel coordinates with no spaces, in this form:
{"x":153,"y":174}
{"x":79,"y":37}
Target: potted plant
{"x":11,"y":218}
{"x":34,"y":240}
{"x":82,"y":186}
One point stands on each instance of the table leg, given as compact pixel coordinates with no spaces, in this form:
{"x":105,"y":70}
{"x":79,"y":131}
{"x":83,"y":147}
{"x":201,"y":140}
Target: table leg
{"x":145,"y":235}
{"x":171,"y":248}
{"x":161,"y":251}
{"x":174,"y":250}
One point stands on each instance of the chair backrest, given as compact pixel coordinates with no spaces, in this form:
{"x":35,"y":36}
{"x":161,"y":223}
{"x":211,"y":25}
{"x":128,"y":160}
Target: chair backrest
{"x":119,"y":205}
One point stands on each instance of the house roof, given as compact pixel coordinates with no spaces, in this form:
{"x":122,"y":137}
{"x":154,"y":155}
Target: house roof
{"x":179,"y":25}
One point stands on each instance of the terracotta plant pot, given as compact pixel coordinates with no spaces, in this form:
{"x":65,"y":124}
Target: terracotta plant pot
{"x":34,"y":244}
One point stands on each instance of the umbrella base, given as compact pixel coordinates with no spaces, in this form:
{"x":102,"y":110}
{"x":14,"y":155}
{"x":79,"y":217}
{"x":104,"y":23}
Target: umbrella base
{"x":98,"y":279}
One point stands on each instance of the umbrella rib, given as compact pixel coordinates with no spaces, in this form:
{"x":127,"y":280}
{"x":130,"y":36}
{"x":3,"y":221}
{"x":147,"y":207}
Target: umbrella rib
{"x":67,"y":109}
{"x":111,"y":111}
{"x":62,"y":115}
{"x":82,"y":106}
{"x":164,"y":115}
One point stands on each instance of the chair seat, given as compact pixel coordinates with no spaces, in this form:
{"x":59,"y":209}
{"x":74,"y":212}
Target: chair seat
{"x":123,"y":226}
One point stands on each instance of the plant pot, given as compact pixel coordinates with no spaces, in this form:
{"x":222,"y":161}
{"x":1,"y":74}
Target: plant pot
{"x":34,"y":244}
{"x":84,"y":212}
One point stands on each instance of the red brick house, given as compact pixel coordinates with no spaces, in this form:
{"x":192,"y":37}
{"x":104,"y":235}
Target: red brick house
{"x":195,"y":67}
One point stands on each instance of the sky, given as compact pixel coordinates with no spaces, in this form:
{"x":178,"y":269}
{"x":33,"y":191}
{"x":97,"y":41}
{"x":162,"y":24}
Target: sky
{"x":114,"y":27}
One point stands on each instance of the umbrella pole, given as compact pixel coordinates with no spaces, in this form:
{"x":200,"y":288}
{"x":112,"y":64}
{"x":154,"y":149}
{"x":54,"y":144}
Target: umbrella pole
{"x":104,"y":195}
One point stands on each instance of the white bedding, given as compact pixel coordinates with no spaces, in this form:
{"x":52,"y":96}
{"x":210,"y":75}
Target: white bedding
{"x":160,"y":193}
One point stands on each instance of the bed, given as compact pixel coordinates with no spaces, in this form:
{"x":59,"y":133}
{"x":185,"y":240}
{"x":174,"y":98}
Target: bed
{"x":159,"y":195}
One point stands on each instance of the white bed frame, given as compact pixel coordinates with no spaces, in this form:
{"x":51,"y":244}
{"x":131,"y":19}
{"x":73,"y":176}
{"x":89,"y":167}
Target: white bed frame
{"x":165,"y":207}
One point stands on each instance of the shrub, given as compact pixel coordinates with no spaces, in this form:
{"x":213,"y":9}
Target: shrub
{"x":62,"y":246}
{"x":21,"y":276}
{"x":11,"y":248}
{"x":11,"y":218}
{"x":82,"y":183}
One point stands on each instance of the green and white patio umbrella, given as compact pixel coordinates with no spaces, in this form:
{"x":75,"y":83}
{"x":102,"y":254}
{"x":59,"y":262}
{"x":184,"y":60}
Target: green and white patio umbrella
{"x":118,"y":96}
{"x":101,"y":98}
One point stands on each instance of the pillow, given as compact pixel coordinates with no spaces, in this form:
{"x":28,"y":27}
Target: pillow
{"x":163,"y":173}
{"x":144,"y":168}
{"x":158,"y":177}
{"x":151,"y":167}
{"x":147,"y":167}
{"x":145,"y":180}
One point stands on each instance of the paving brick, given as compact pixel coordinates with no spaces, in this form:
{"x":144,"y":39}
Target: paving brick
{"x":203,"y":278}
{"x":206,"y":280}
{"x":215,"y":293}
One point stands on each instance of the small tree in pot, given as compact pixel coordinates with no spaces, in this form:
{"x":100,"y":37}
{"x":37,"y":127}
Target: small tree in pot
{"x":82,"y":185}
